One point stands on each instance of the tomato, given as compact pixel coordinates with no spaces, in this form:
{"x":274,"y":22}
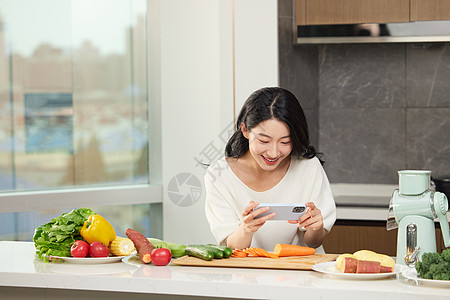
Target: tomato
{"x":79,"y":249}
{"x":97,"y":249}
{"x":161,"y":256}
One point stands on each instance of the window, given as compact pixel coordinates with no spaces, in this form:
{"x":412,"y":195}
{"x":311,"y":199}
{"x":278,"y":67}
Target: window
{"x":74,"y":126}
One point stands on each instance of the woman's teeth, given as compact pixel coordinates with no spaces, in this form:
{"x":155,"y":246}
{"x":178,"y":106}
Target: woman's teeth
{"x":270,"y":160}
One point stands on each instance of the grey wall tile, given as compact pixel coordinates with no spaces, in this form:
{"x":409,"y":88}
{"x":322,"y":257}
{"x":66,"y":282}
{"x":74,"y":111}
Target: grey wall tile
{"x":428,"y":75}
{"x":312,"y":118}
{"x":298,"y":67}
{"x":428,"y":142}
{"x":383,"y":107}
{"x":363,"y":145}
{"x":362,"y":75}
{"x":285,"y":8}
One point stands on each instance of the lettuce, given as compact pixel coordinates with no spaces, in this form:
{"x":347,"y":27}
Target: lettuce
{"x":57,"y":236}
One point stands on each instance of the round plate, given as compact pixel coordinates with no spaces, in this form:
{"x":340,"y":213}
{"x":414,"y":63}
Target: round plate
{"x":88,"y":260}
{"x":411,"y":276}
{"x":330,"y":269}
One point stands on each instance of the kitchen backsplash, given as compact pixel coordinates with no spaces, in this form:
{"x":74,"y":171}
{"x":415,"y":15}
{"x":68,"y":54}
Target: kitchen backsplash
{"x":372,"y":109}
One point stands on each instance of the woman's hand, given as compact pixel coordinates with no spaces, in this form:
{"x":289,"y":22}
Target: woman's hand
{"x":250,"y":224}
{"x":242,"y":238}
{"x":312,"y":221}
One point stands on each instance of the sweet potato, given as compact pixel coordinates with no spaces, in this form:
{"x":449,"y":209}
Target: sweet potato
{"x":142,"y":245}
{"x":387,"y":263}
{"x":368,"y":266}
{"x":349,"y":265}
{"x":341,"y":258}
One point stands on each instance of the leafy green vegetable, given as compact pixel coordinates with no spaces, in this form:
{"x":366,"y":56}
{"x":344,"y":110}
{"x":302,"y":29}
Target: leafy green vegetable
{"x":56,"y":237}
{"x":434,"y":265}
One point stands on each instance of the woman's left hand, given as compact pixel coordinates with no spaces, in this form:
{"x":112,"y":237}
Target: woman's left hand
{"x":312,"y":219}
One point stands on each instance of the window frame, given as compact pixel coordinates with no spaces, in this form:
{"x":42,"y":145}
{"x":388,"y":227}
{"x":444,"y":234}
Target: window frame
{"x":109,"y":195}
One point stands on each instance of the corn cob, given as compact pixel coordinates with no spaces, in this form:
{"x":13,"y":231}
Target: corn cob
{"x":121,"y":246}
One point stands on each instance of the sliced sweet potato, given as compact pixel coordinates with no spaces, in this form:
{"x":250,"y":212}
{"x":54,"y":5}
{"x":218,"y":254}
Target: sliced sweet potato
{"x":349,"y":265}
{"x":368,"y":266}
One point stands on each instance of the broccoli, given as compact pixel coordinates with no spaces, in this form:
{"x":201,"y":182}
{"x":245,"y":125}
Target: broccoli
{"x":434,"y":265}
{"x":446,"y":255}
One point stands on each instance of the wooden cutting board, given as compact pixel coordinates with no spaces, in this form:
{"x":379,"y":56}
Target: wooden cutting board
{"x":287,"y":263}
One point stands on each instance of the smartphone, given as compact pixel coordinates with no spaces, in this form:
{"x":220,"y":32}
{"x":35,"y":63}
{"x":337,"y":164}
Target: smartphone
{"x":284,"y":211}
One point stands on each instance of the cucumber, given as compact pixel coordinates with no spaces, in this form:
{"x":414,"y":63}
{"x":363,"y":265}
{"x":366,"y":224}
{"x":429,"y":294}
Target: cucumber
{"x":218,"y":253}
{"x":226,"y":250}
{"x":199,"y":251}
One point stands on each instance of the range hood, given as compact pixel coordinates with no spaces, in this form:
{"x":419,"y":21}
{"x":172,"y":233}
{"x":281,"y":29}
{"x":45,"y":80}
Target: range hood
{"x":427,"y":31}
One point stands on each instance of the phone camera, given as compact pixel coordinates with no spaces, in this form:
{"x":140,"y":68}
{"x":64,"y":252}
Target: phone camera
{"x":298,"y":209}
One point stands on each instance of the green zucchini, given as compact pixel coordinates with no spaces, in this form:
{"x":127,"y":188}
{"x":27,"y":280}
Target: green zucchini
{"x":157,"y":243}
{"x":199,"y":251}
{"x":226,"y":250}
{"x":177,"y":250}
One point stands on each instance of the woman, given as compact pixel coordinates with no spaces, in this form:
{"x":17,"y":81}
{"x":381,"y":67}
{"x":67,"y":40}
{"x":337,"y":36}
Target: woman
{"x":269,"y":159}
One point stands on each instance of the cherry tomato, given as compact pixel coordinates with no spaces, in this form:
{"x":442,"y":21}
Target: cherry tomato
{"x":161,"y":256}
{"x":79,"y":249}
{"x":97,"y":249}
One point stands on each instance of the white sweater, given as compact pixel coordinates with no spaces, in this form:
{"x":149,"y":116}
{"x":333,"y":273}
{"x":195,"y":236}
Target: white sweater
{"x":227,"y":196}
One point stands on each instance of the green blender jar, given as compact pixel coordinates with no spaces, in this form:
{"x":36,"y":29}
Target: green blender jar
{"x":412,"y":210}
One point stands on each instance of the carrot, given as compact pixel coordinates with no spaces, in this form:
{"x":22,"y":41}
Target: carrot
{"x":292,"y":250}
{"x":142,"y":245}
{"x":239,"y":253}
{"x":267,"y":254}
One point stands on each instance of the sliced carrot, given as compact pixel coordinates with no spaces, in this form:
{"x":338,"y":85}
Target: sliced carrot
{"x":267,"y":254}
{"x":255,"y":251}
{"x":240,"y":254}
{"x":252,"y":252}
{"x":292,"y":250}
{"x":260,"y":252}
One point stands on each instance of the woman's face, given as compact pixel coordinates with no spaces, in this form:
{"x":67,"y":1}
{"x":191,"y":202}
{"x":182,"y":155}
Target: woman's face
{"x":269,"y":143}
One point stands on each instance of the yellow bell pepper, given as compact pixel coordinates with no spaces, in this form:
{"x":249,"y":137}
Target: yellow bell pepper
{"x":96,"y":228}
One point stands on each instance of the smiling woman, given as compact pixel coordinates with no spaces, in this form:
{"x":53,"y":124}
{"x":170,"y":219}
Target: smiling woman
{"x":269,"y":159}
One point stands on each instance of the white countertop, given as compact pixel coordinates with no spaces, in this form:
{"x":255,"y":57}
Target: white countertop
{"x":19,"y":268}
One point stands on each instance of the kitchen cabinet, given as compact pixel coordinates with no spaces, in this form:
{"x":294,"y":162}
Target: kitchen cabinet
{"x":427,"y":10}
{"x":350,"y":236}
{"x":322,"y":12}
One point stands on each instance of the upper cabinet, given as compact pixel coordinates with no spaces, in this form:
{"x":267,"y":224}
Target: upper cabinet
{"x":430,"y":10}
{"x":322,"y":12}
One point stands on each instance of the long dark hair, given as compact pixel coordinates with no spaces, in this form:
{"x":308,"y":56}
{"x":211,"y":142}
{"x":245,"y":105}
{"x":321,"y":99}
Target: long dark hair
{"x":276,"y":103}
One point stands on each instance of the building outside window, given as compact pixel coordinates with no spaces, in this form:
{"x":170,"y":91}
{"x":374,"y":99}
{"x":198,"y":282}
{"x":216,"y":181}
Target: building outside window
{"x":74,"y":126}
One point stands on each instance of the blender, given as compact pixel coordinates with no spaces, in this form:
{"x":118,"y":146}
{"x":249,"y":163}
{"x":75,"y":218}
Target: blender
{"x":412,"y":209}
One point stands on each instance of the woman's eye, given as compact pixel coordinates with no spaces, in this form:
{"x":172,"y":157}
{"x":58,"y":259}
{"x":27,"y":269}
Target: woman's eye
{"x":263,"y":142}
{"x":286,"y":143}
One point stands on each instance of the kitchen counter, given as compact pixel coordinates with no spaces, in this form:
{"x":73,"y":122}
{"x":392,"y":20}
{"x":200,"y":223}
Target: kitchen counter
{"x":20,"y":273}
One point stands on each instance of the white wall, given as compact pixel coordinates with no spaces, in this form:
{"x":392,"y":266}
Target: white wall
{"x":195,"y":49}
{"x":256,"y":47}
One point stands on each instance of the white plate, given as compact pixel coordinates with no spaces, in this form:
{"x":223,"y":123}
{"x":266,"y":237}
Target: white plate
{"x":411,"y":276}
{"x":330,"y":269}
{"x":88,"y":260}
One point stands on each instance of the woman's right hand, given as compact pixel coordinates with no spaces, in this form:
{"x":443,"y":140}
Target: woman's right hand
{"x":250,"y":224}
{"x":242,"y":238}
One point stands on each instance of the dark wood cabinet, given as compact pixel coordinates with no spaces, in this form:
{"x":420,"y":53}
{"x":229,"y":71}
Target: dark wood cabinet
{"x":351,"y":236}
{"x":323,"y":12}
{"x":430,"y":10}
